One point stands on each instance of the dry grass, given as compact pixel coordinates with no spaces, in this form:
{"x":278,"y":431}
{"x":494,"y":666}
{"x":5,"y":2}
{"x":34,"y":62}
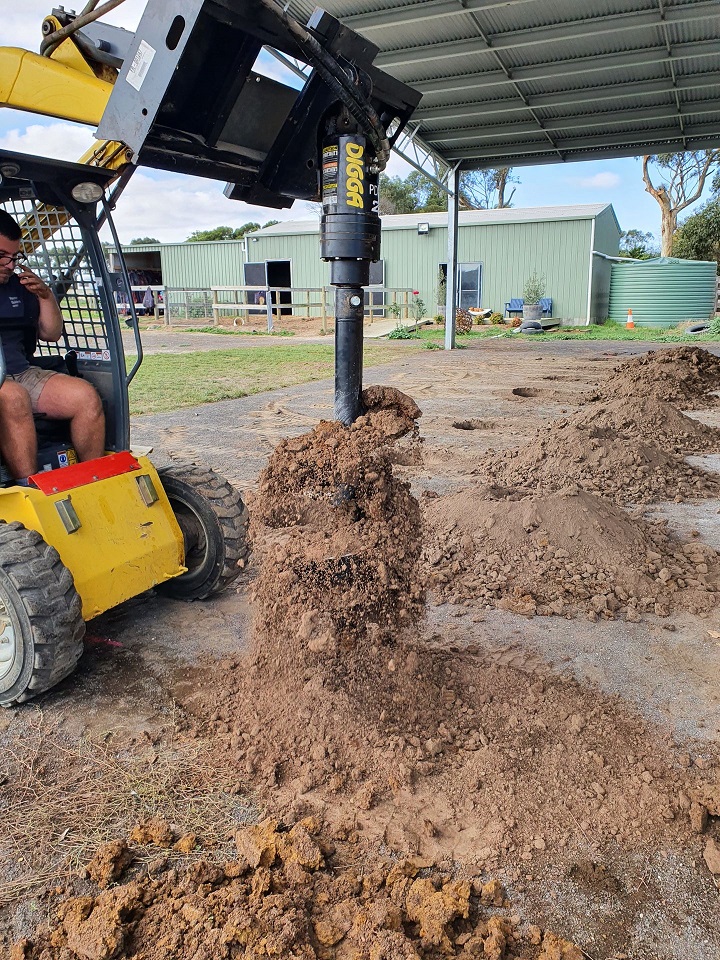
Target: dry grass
{"x":61,"y":799}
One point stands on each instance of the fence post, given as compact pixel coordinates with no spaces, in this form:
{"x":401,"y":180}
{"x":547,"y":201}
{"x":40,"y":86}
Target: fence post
{"x":323,"y":306}
{"x":268,"y":308}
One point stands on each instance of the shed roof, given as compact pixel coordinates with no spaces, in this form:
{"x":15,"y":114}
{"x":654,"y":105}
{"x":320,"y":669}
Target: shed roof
{"x":409,"y":221}
{"x":508,"y":82}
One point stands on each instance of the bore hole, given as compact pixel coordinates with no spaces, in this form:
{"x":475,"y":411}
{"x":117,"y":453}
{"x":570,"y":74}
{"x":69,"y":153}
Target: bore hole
{"x":310,"y":163}
{"x":144,"y":112}
{"x":175,"y":32}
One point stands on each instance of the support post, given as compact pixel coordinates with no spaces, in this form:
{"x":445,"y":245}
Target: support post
{"x":451,"y":280}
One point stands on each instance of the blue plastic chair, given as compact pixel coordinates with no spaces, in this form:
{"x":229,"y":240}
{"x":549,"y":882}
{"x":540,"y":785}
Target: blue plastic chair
{"x":546,"y":303}
{"x":515,"y":305}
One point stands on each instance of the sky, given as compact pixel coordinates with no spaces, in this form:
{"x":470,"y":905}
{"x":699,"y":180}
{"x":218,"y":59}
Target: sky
{"x":170,"y":207}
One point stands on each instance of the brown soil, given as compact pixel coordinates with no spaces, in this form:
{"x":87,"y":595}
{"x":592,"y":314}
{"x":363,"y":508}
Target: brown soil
{"x":338,"y":535}
{"x":410,"y":769}
{"x":289,"y":895}
{"x":570,"y":552}
{"x":629,"y":439}
{"x":688,"y":377}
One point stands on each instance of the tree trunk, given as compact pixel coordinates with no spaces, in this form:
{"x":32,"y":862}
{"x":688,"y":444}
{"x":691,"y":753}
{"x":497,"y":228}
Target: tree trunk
{"x":667,"y":229}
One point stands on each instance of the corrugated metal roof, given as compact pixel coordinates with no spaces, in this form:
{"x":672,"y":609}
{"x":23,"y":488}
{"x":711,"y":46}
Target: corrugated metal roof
{"x":409,"y":221}
{"x":508,"y":82}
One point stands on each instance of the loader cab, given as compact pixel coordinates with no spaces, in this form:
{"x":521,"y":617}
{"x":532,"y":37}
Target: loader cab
{"x":60,"y":210}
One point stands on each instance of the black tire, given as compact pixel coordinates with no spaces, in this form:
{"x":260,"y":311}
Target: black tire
{"x":214,"y":522}
{"x":530,"y":325}
{"x":699,"y":328}
{"x":40,"y":616}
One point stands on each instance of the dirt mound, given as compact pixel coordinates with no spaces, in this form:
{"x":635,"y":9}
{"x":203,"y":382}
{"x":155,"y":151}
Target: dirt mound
{"x":338,"y":534}
{"x":686,"y":376}
{"x":563,"y":553}
{"x":627,"y":442}
{"x":289,"y":894}
{"x":648,"y":417}
{"x":599,"y":459}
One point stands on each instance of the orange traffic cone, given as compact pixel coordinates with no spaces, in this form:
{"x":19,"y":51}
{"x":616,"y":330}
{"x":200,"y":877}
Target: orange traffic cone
{"x":629,"y":324}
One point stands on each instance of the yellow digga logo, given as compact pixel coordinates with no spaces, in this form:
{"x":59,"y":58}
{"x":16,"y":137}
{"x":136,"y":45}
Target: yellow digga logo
{"x":354,"y":174}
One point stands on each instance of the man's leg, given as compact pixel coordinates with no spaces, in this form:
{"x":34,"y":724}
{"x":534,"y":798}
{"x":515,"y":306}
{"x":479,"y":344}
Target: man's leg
{"x":69,"y":398}
{"x":18,"y":442}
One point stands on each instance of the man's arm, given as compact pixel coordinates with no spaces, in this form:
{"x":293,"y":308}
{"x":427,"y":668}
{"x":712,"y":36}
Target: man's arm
{"x":50,"y":320}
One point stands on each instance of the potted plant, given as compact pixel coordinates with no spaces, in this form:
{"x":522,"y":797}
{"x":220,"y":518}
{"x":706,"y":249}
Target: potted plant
{"x":533,"y":291}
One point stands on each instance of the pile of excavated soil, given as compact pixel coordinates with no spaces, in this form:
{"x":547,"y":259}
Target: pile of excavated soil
{"x":338,"y":535}
{"x":564,"y":553}
{"x":647,"y":417}
{"x":344,"y":709}
{"x":685,"y":376}
{"x":628,"y":442}
{"x":291,"y":894}
{"x":599,"y":459}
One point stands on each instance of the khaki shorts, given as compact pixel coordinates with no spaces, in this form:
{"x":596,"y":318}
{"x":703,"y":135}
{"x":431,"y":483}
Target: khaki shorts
{"x":34,"y":380}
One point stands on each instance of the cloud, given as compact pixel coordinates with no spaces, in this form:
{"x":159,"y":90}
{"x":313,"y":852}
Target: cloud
{"x":55,"y":139}
{"x":600,"y":181}
{"x":170,"y":207}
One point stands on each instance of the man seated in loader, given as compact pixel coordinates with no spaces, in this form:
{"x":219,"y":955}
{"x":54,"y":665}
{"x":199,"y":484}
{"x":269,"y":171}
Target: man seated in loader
{"x":27,"y":302}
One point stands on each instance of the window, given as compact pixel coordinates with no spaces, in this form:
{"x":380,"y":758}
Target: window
{"x":470,"y":285}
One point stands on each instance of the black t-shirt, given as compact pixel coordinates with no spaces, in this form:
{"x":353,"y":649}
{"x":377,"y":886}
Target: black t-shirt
{"x":19,"y":312}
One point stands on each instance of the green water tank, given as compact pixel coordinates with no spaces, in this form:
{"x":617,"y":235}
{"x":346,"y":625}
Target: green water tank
{"x":663,"y":292}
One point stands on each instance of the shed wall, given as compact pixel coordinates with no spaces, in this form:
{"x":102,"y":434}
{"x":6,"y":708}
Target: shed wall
{"x":558,"y":249}
{"x":509,"y":253}
{"x":202,"y":265}
{"x":607,"y":241}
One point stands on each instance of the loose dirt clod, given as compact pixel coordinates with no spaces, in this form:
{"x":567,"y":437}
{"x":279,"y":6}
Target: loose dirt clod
{"x":296,"y":899}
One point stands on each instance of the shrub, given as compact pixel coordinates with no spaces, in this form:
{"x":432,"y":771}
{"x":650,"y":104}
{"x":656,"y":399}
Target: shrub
{"x":402,"y":333}
{"x":417,"y":308}
{"x":496,"y":319}
{"x":534,"y":289}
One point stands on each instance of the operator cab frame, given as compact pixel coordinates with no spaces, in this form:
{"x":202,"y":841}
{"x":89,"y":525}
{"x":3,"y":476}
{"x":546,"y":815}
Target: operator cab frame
{"x":60,"y":208}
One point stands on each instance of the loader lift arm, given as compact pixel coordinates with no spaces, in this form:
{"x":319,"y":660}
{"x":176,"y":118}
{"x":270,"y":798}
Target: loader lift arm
{"x":181,"y":94}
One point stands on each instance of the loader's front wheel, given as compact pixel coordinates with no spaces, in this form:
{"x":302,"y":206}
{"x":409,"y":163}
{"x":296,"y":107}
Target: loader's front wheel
{"x":41,"y":624}
{"x":214,"y":523}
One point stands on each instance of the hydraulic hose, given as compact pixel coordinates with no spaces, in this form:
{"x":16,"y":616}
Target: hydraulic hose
{"x":335,"y":77}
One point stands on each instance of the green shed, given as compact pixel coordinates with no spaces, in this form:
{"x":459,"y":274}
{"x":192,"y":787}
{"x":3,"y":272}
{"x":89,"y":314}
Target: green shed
{"x":570,"y":246}
{"x":497,"y":251}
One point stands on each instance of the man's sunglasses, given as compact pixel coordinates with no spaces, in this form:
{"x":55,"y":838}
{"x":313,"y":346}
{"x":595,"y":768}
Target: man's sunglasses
{"x":12,"y":258}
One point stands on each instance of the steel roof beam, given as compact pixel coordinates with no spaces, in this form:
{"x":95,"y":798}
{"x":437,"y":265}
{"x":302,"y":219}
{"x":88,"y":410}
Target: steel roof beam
{"x":422,"y":12}
{"x":705,"y":142}
{"x":590,"y":26}
{"x":580,"y":122}
{"x":636,"y":142}
{"x":574,"y":67}
{"x":568,"y":98}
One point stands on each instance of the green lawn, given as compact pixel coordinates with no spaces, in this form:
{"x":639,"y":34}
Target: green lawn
{"x":171,"y":381}
{"x":605,"y":331}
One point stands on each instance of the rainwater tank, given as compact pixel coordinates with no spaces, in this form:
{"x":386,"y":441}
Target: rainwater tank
{"x":662,"y":292}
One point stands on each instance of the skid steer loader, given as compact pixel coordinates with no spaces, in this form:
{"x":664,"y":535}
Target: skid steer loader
{"x":83,"y":537}
{"x":180,"y":93}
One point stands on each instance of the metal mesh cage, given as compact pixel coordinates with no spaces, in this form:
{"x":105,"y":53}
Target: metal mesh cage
{"x":53,"y":243}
